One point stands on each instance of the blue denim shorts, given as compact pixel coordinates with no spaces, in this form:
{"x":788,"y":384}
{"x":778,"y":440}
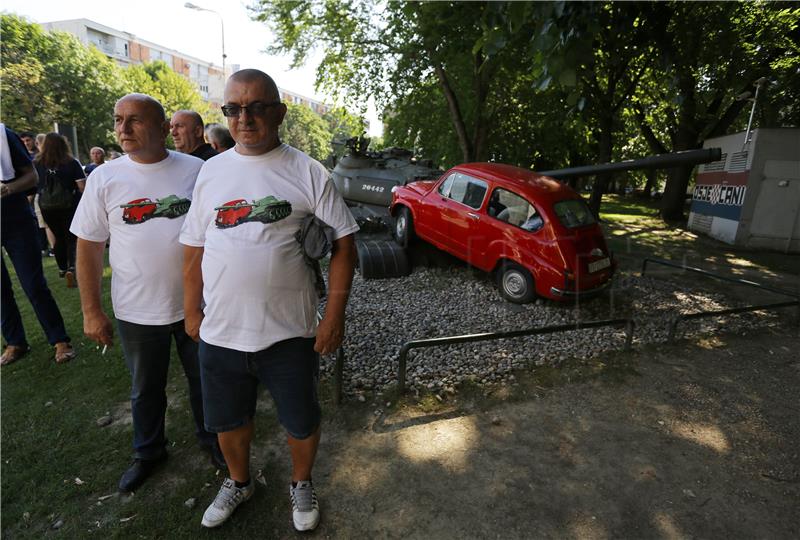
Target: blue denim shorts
{"x":290,"y":371}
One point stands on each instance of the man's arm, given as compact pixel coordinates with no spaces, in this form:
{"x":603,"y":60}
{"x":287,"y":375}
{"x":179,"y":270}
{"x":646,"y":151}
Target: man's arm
{"x":192,"y":290}
{"x":96,"y":324}
{"x":22,"y":183}
{"x":340,"y":278}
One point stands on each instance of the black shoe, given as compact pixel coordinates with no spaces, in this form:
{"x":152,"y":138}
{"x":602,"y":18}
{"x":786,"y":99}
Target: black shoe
{"x":138,"y":472}
{"x":215,"y":453}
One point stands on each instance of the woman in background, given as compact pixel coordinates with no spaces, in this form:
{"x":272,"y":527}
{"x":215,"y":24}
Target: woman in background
{"x":55,"y":164}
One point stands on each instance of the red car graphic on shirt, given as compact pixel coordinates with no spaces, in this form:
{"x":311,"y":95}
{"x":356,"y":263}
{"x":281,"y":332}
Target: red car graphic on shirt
{"x":266,"y":210}
{"x":140,"y":210}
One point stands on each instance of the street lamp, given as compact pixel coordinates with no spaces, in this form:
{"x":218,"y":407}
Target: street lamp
{"x":222,"y":22}
{"x":758,"y":84}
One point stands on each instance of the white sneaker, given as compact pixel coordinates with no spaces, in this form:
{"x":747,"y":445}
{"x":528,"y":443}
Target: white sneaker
{"x":228,"y":498}
{"x":305,"y":508}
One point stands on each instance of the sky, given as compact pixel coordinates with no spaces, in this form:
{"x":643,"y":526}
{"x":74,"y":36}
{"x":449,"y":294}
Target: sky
{"x":196,"y":33}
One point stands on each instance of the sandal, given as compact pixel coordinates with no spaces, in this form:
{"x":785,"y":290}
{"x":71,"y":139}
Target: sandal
{"x":13,"y":353}
{"x":66,"y":354}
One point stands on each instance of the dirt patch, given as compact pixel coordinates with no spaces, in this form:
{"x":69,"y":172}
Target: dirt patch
{"x":695,"y":439}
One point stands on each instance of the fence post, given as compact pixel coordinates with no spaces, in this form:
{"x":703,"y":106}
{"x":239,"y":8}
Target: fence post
{"x":338,"y":375}
{"x":401,"y":369}
{"x":629,"y":327}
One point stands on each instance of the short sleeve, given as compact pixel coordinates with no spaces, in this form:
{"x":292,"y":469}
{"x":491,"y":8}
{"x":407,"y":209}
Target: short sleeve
{"x":331,"y":208}
{"x":193,"y":231}
{"x":76,"y":171}
{"x":91,"y":218}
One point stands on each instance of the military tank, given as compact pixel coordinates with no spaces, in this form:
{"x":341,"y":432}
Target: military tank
{"x":140,"y":210}
{"x":266,"y":210}
{"x":365,"y":178}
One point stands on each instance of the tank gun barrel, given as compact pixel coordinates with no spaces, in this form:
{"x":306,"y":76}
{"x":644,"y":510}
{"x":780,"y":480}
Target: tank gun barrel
{"x":660,"y":161}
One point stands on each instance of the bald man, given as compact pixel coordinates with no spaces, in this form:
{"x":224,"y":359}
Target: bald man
{"x":258,"y":324}
{"x":140,"y":201}
{"x":188,"y":134}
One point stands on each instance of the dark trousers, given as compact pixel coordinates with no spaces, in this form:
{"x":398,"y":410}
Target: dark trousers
{"x":19,"y":241}
{"x":147,"y":350}
{"x":59,"y":221}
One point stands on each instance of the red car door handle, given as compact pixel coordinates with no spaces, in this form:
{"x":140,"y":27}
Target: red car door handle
{"x":473,"y":216}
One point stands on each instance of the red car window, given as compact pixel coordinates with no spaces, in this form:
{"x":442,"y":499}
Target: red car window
{"x":514,"y":210}
{"x":573,"y":213}
{"x":467,"y":190}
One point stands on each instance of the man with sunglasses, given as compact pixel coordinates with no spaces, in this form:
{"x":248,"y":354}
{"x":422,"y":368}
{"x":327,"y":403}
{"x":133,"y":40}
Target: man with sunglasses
{"x":259,"y":324}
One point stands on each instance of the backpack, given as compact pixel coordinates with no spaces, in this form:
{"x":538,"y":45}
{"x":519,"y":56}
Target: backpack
{"x":54,"y":195}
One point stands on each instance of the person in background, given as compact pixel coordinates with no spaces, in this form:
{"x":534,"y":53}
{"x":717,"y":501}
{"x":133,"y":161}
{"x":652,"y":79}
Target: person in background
{"x":187,"y":134}
{"x":98,"y":157}
{"x":219,"y":137}
{"x":40,"y":140}
{"x":18,"y":233}
{"x":29,"y":140}
{"x":121,"y":204}
{"x":56,"y":164}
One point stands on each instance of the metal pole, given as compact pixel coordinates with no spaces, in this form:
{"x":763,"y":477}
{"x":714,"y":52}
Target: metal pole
{"x":222,"y":22}
{"x":758,"y":84}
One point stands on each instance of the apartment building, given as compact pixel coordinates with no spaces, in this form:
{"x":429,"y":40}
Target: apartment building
{"x":127,"y":49}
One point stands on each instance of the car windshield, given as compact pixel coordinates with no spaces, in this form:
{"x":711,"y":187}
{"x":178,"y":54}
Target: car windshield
{"x":573,"y":213}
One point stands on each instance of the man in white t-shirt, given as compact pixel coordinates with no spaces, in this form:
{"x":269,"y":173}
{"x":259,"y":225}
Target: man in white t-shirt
{"x":259,"y":323}
{"x":140,"y":201}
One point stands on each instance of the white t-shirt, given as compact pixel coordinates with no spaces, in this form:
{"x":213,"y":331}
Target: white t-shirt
{"x":141,"y":208}
{"x":245,"y":213}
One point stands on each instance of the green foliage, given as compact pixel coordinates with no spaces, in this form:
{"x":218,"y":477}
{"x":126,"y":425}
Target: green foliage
{"x":307,"y":131}
{"x":549,"y":84}
{"x":49,"y":77}
{"x":174,"y":91}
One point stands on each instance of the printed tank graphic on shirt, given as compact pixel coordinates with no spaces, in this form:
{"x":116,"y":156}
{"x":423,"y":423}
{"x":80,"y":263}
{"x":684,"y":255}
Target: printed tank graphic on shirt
{"x":266,"y":210}
{"x":140,"y":210}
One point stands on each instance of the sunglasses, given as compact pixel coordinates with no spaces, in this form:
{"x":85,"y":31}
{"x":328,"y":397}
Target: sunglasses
{"x":254,"y":109}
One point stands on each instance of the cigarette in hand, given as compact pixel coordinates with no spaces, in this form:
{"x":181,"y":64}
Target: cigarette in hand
{"x":105,"y":348}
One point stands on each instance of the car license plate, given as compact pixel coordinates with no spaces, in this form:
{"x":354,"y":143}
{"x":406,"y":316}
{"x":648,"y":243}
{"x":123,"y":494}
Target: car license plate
{"x":596,"y":266}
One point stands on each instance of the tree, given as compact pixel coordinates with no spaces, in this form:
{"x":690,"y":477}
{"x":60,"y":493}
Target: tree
{"x":158,"y":80}
{"x":51,"y":77}
{"x":390,"y":49}
{"x":307,"y":131}
{"x":692,"y":89}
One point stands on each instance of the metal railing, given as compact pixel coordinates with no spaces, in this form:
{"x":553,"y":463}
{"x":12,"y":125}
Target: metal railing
{"x":487,"y":336}
{"x":673,"y":324}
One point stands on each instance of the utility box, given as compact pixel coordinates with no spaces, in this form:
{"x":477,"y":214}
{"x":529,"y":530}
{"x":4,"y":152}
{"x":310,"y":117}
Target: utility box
{"x":751,"y":197}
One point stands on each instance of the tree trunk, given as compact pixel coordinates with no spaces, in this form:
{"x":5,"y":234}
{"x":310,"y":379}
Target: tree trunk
{"x":604,"y":156}
{"x":652,"y":176}
{"x":455,"y":115}
{"x":675,"y":193}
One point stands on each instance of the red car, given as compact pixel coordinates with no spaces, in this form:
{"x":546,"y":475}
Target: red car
{"x":537,"y":235}
{"x":232,"y":213}
{"x":138,"y":210}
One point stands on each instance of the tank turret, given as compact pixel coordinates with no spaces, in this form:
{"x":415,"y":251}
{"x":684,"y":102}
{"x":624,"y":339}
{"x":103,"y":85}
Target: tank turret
{"x":365,"y":178}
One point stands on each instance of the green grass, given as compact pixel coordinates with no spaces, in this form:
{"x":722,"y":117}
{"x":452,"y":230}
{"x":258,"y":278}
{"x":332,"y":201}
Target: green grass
{"x":50,"y":438}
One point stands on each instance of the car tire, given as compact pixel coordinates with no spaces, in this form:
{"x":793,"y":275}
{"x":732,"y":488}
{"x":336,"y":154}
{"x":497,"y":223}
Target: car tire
{"x":403,"y":227}
{"x":515,"y":283}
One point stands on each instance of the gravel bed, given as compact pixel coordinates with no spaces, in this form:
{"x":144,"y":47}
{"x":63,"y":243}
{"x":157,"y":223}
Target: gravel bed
{"x":434,"y":302}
